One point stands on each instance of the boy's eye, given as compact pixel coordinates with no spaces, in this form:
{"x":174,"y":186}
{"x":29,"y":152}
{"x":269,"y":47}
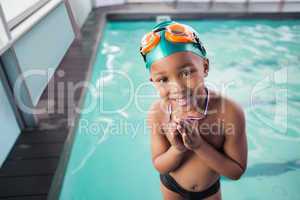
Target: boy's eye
{"x":162,"y":80}
{"x":186,"y":73}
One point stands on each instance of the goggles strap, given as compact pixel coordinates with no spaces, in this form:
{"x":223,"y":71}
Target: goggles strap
{"x":159,"y":29}
{"x":199,"y":44}
{"x":144,"y":56}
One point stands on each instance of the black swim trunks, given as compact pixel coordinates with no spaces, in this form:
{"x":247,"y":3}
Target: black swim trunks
{"x":171,"y":184}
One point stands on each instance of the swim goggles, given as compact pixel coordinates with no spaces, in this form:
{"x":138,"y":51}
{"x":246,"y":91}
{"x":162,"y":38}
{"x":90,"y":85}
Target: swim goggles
{"x":174,"y":33}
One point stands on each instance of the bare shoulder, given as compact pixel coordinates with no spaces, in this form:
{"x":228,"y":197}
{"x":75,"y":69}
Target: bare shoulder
{"x":233,"y":114}
{"x":228,"y":110}
{"x":232,"y":107}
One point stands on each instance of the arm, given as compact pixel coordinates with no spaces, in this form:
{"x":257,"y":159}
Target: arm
{"x":165,"y":157}
{"x":168,"y":161}
{"x":233,"y":162}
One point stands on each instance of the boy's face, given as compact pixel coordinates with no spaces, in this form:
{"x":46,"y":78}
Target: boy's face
{"x":180,"y":77}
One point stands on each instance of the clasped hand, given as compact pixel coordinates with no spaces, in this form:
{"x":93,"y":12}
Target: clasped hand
{"x":184,"y":135}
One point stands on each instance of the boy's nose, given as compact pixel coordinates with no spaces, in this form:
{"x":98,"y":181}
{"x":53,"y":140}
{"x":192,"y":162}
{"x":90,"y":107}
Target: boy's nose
{"x":177,"y":87}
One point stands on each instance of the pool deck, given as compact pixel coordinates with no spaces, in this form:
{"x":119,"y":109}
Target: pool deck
{"x":29,"y":169}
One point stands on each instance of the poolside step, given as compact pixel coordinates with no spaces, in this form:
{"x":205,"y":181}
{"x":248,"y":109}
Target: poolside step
{"x":24,"y":186}
{"x":29,"y":168}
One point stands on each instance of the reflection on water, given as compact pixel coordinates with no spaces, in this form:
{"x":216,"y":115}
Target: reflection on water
{"x":270,"y":169}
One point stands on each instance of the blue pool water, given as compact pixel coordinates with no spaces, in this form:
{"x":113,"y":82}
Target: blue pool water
{"x":255,"y":62}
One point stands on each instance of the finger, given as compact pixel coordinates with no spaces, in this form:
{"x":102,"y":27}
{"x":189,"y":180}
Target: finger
{"x":177,"y":139}
{"x":186,"y":140}
{"x":184,"y":126}
{"x":193,"y":130}
{"x":189,"y":136}
{"x":173,"y":126}
{"x":187,"y":125}
{"x":188,"y":143}
{"x":170,"y":137}
{"x":192,"y":127}
{"x":183,"y":123}
{"x":175,"y":136}
{"x":184,"y":130}
{"x":181,"y":129}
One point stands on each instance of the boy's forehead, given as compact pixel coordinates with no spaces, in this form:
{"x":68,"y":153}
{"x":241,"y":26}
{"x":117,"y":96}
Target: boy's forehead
{"x":174,"y":61}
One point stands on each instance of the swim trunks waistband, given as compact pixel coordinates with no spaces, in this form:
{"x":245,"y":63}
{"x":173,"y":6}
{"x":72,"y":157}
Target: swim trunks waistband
{"x":172,"y":185}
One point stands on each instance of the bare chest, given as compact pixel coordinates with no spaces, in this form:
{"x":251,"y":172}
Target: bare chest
{"x":212,"y":131}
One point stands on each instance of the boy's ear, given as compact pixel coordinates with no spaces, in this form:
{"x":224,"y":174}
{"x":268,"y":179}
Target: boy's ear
{"x":206,"y":67}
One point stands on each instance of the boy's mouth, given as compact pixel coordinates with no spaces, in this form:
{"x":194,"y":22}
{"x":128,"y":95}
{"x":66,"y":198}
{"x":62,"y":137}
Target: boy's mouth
{"x":182,"y":101}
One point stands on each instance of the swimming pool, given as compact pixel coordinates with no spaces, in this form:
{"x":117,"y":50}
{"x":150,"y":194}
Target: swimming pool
{"x":256,"y":62}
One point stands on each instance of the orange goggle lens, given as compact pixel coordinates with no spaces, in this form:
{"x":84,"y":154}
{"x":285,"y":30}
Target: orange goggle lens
{"x":149,"y":41}
{"x":179,"y":33}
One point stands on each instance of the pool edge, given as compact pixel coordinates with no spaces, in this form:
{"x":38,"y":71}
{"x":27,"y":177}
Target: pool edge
{"x":57,"y":182}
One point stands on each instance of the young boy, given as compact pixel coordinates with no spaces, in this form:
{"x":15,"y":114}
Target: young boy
{"x":196,"y":134}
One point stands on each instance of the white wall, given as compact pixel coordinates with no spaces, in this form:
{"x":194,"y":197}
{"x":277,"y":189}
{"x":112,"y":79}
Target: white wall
{"x":98,"y":3}
{"x":43,"y":48}
{"x":81,"y":10}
